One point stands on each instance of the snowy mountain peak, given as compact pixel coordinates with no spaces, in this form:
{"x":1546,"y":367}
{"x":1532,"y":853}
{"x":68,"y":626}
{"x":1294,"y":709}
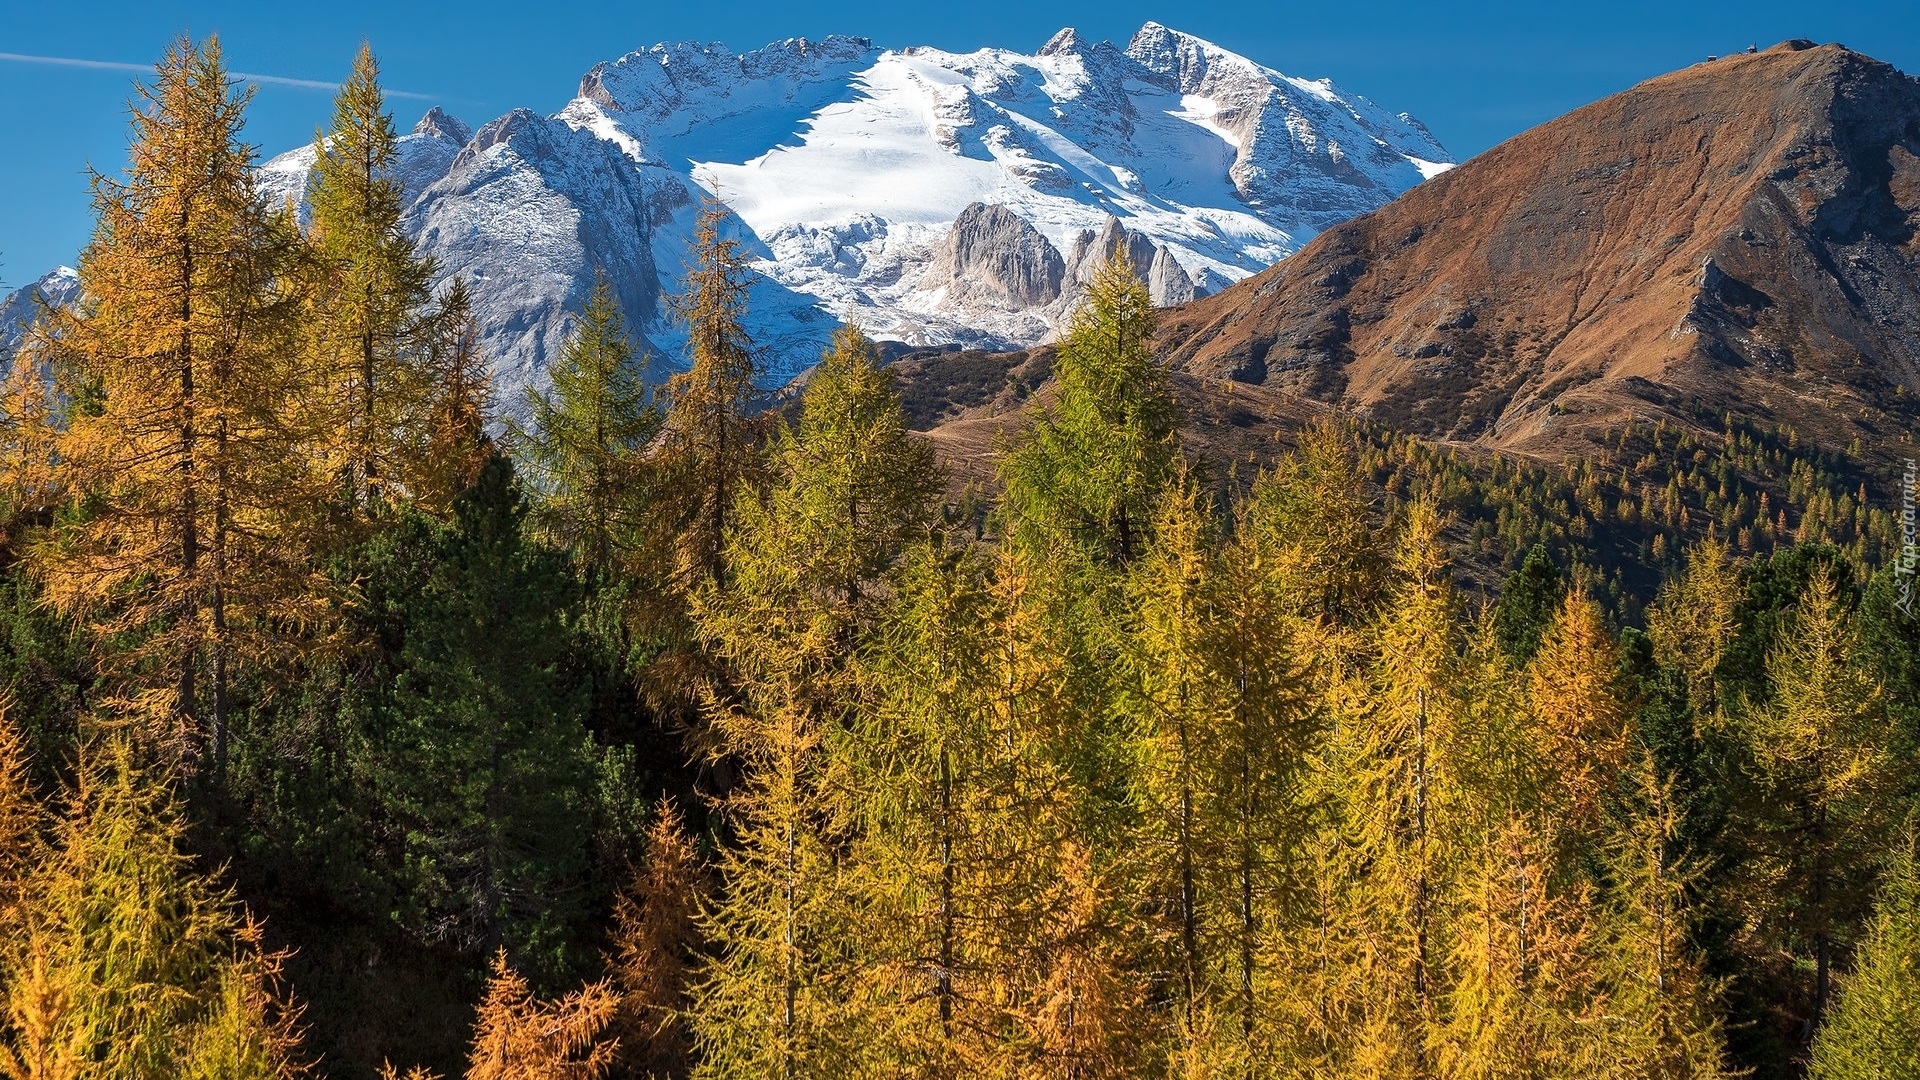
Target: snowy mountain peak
{"x":659,"y":84}
{"x":19,"y":310}
{"x":935,"y":197}
{"x":1066,"y":41}
{"x":1166,"y":51}
{"x":439,"y":124}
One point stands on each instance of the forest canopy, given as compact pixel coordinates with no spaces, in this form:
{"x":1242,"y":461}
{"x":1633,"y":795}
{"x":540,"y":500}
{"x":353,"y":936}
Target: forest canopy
{"x":360,"y":724}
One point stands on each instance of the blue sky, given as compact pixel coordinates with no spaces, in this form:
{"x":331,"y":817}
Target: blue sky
{"x":1476,"y":73}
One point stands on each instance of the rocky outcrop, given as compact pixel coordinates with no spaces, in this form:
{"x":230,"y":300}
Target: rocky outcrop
{"x":1092,"y":248}
{"x":1739,"y":236}
{"x":1166,"y":280}
{"x":993,"y":256}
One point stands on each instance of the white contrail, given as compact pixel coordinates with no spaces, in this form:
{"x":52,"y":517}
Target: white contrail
{"x":242,"y":76}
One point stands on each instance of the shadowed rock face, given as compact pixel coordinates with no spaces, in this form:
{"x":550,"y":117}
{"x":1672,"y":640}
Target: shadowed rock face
{"x":994,"y":262}
{"x":1166,"y":281}
{"x":1091,"y":249}
{"x":1739,"y":235}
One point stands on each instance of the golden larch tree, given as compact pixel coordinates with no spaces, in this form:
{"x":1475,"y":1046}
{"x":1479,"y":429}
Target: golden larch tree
{"x":176,"y":372}
{"x":655,"y":938}
{"x":517,"y":1036}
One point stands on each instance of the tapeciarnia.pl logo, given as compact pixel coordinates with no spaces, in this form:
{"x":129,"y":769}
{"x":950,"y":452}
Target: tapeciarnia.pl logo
{"x":1909,"y":540}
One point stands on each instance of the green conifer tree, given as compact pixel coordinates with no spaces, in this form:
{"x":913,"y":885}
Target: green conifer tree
{"x":938,"y":812}
{"x":467,"y":730}
{"x":1869,"y":1033}
{"x":369,"y":300}
{"x":1091,"y":473}
{"x":708,"y":462}
{"x":1528,"y":601}
{"x":584,"y":451}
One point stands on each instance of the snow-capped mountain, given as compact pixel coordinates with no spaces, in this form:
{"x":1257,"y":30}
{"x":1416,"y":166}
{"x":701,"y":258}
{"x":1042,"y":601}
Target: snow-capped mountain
{"x":58,"y":287}
{"x":934,"y":197}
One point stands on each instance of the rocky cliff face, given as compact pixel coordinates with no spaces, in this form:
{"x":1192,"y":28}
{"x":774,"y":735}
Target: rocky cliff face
{"x":993,"y":253}
{"x":1740,"y":235}
{"x":997,"y":265}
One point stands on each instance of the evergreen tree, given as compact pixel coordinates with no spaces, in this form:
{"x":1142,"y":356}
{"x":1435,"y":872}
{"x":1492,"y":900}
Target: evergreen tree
{"x":585,"y":451}
{"x":175,"y":452}
{"x":1869,"y":1033}
{"x":1092,"y":471}
{"x":468,"y":733}
{"x":1528,"y":602}
{"x":369,"y":301}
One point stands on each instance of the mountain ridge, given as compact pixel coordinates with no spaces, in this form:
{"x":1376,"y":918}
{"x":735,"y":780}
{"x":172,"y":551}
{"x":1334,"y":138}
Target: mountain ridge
{"x":846,"y":167}
{"x":1737,"y":235}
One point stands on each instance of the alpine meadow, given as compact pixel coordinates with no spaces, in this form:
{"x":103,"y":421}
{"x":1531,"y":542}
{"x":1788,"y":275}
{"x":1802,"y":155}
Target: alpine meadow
{"x":1214,"y":687}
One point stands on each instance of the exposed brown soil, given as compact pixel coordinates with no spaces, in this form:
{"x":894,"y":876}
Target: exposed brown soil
{"x":1736,"y":236}
{"x":972,"y":405}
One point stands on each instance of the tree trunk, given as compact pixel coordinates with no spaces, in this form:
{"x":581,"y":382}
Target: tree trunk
{"x":1189,"y":918}
{"x":1246,"y":861}
{"x":189,"y":508}
{"x":943,"y":981}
